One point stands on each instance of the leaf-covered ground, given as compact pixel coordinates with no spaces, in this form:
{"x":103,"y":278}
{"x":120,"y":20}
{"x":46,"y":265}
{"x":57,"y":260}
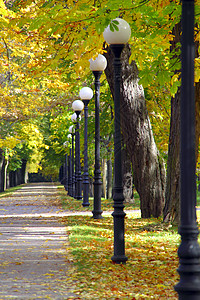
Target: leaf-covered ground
{"x":151,"y":248}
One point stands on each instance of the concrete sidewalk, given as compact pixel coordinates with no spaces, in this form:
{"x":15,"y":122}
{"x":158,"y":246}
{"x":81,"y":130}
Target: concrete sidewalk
{"x":33,"y":258}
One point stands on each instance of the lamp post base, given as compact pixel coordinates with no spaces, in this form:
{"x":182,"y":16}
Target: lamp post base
{"x":119,"y":259}
{"x":189,"y":268}
{"x":97,"y":214}
{"x":119,"y":243}
{"x":85,"y":191}
{"x":85,"y":204}
{"x":97,"y":197}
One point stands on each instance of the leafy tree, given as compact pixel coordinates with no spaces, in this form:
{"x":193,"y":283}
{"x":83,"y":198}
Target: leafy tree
{"x":45,"y":47}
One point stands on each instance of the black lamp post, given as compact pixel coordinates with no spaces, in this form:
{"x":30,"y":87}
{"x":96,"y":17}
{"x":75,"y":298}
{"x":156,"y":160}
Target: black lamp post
{"x":74,"y":119}
{"x":65,"y":144}
{"x":189,"y":250}
{"x":69,"y":174}
{"x":72,"y":132}
{"x":97,"y":66}
{"x":69,"y":169}
{"x":86,"y":94}
{"x":78,"y":106}
{"x":117,"y":40}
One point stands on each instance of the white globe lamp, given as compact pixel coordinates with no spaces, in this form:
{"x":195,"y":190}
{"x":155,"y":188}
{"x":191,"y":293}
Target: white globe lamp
{"x":120,"y":36}
{"x":99,"y":64}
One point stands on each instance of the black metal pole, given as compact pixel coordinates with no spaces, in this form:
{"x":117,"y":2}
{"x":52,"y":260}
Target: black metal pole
{"x":73,"y":174}
{"x":69,"y":175}
{"x":97,"y":172}
{"x":76,"y":162}
{"x":85,"y":173}
{"x":66,"y":173}
{"x":61,"y":174}
{"x":78,"y":178}
{"x":189,"y":250}
{"x":118,"y":197}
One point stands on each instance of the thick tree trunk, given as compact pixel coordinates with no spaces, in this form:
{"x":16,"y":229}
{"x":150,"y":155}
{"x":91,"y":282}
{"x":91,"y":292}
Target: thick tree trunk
{"x":148,"y":167}
{"x":172,"y":205}
{"x":172,"y":197}
{"x":171,"y":209}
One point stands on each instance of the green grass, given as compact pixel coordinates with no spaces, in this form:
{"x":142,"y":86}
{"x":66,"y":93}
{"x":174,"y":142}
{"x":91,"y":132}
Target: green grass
{"x":106,"y":204}
{"x":198,"y":198}
{"x":10,"y":191}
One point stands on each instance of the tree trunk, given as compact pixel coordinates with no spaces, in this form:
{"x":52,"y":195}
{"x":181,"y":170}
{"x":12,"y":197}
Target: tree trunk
{"x":148,"y":166}
{"x":104,"y":171}
{"x":109,"y":176}
{"x":12,"y":178}
{"x":5,"y":174}
{"x":2,"y":172}
{"x":127,"y":176}
{"x":91,"y":187}
{"x":172,"y":197}
{"x":171,"y":209}
{"x":23,"y":171}
{"x":197,"y":95}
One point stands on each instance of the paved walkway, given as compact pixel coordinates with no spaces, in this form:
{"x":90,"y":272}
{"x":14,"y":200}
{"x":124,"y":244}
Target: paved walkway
{"x":33,"y":245}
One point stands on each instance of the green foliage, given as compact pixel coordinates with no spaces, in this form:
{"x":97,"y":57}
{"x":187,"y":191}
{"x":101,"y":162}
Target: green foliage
{"x":44,"y":63}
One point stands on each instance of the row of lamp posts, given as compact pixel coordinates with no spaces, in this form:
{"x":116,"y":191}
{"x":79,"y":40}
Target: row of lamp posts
{"x":189,"y":251}
{"x":97,"y":66}
{"x":117,"y":40}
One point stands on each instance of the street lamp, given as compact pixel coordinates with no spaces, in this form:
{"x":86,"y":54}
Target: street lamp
{"x":117,"y":39}
{"x":78,"y":106}
{"x":72,"y":132}
{"x":86,"y":94}
{"x":189,"y":250}
{"x":97,"y":66}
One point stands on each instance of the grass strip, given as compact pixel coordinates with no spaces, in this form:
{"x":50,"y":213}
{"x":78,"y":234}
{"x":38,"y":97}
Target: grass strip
{"x":72,"y":204}
{"x":10,"y":191}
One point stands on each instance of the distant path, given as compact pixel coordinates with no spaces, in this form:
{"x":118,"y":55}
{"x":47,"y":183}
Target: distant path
{"x":33,"y":245}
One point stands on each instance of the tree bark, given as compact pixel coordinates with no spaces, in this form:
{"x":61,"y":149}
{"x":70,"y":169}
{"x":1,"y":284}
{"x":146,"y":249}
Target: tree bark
{"x":127,"y":176}
{"x":172,"y":197}
{"x":2,"y":170}
{"x":23,"y":171}
{"x":148,"y":166}
{"x":109,"y":176}
{"x":104,"y":172}
{"x":171,"y":209}
{"x":5,"y":174}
